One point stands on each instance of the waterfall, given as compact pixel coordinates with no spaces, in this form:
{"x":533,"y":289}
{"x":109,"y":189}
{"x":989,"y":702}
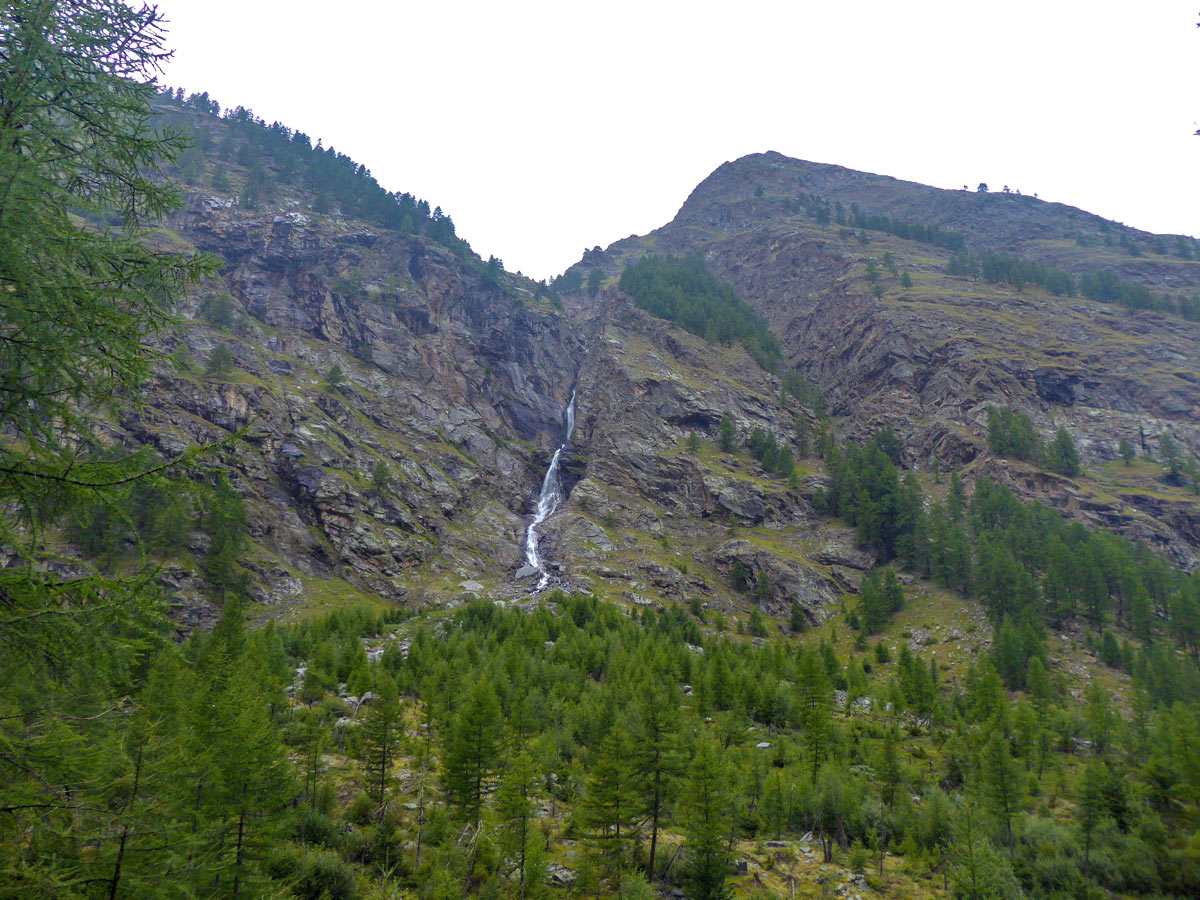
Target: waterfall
{"x":550,"y":501}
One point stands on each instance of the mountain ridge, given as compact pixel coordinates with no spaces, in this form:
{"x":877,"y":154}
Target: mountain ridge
{"x":457,"y":374}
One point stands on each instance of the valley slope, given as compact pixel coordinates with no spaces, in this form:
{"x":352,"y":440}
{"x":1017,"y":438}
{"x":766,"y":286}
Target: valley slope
{"x":456,"y":374}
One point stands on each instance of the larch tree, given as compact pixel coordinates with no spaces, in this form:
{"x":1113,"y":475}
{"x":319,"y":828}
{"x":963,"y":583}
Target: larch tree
{"x":707,"y":804}
{"x":1001,"y":785}
{"x":382,"y":728}
{"x":657,"y":758}
{"x":472,"y":754}
{"x":80,"y":186}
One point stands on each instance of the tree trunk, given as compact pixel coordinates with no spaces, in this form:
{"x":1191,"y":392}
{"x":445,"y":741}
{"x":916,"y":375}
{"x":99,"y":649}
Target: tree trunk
{"x":237,"y":859}
{"x":137,"y":777}
{"x":654,"y":831}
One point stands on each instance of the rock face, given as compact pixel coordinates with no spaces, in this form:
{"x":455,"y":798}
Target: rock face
{"x":455,"y":378}
{"x":928,"y":360}
{"x":455,"y":382}
{"x":651,"y":516}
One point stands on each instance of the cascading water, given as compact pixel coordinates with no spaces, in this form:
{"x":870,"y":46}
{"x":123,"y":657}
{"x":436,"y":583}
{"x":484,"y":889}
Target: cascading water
{"x":549,"y":502}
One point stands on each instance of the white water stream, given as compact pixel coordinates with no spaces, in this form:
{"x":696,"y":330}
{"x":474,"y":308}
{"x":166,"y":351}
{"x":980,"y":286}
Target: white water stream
{"x":550,"y":501}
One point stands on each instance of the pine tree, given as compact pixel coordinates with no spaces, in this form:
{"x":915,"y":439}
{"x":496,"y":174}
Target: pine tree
{"x":814,"y":708}
{"x":1185,"y":619}
{"x":757,"y":626}
{"x":595,"y":279}
{"x":1002,"y":784}
{"x":1172,"y":458}
{"x":610,"y":804}
{"x":1038,"y":683}
{"x":936,"y":832}
{"x":335,"y":379}
{"x":225,"y":522}
{"x":1063,"y":455}
{"x":830,"y":807}
{"x":241,"y":774}
{"x":1009,"y":655}
{"x":220,"y":362}
{"x":797,"y":621}
{"x":1191,"y":473}
{"x":314,"y":740}
{"x":1099,"y":717}
{"x":381,"y":731}
{"x":381,"y":477}
{"x":706,"y":810}
{"x":802,"y":434}
{"x":979,"y":873}
{"x":1093,"y":807}
{"x":888,"y":768}
{"x":82,"y":299}
{"x":516,"y":802}
{"x":657,"y":759}
{"x":727,"y":435}
{"x":473,"y":751}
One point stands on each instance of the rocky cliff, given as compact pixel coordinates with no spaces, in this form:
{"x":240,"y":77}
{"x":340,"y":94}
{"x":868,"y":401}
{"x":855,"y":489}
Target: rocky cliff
{"x":355,"y":344}
{"x":928,"y":352}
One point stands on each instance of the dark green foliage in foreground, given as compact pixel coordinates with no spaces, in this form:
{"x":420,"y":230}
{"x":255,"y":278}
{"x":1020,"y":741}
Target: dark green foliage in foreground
{"x":83,"y":292}
{"x":683,"y":291}
{"x":584,"y":709}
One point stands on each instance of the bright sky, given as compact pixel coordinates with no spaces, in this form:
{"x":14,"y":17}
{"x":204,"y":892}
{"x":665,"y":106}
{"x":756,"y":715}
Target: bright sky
{"x":543,"y":128}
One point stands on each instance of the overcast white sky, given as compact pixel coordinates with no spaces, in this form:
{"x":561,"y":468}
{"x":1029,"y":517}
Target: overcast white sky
{"x":543,"y":128}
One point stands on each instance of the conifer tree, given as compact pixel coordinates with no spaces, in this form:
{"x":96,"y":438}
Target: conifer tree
{"x":1172,"y":457}
{"x":888,"y":768}
{"x":516,"y":801}
{"x":610,"y":803}
{"x":657,"y":759}
{"x":220,"y":362}
{"x":1093,"y":806}
{"x":814,"y":708}
{"x":1009,"y":655}
{"x":381,"y":732}
{"x":706,"y":810}
{"x":957,"y":503}
{"x":797,"y":621}
{"x":1063,"y":455}
{"x":473,"y":751}
{"x":78,"y":151}
{"x":314,"y":741}
{"x":830,"y":806}
{"x":242,"y":777}
{"x":1001,"y":784}
{"x":935,"y":831}
{"x":727,"y":435}
{"x":1099,"y":716}
{"x":979,"y":873}
{"x":335,"y":379}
